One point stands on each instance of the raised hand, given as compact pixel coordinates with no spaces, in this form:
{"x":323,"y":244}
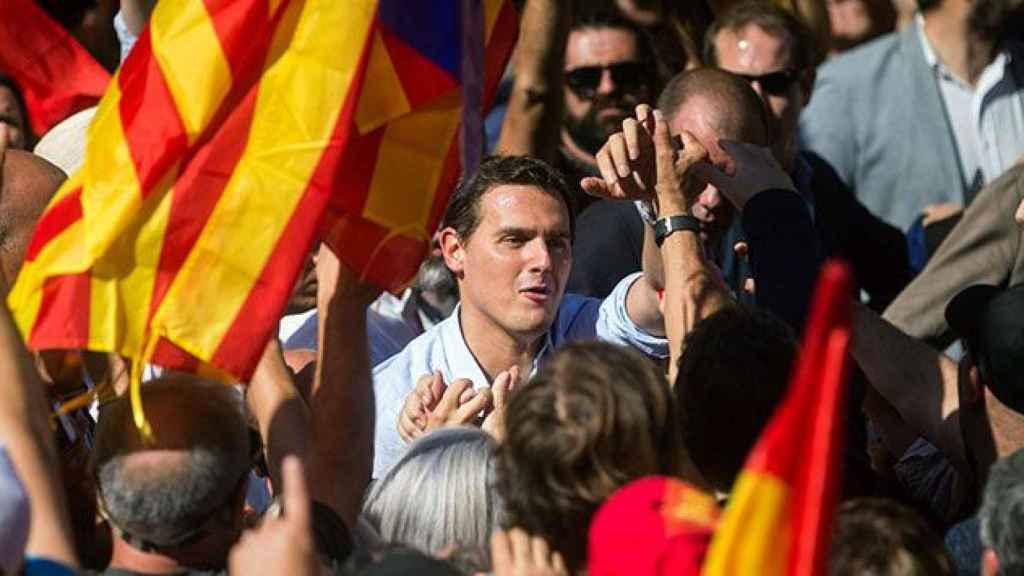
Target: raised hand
{"x":504,"y":384}
{"x":516,"y":553}
{"x":749,"y":169}
{"x":433,"y":404}
{"x":281,"y":545}
{"x":626,"y":161}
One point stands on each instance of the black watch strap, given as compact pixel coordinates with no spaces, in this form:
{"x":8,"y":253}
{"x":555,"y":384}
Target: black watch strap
{"x":664,"y":227}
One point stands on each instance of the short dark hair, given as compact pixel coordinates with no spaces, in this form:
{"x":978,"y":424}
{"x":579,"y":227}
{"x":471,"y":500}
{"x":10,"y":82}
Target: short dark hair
{"x":594,"y":418}
{"x":596,"y":18}
{"x":740,"y":113}
{"x":881,"y":536}
{"x":463,"y":211}
{"x":165,"y":507}
{"x":733,"y":373}
{"x":804,"y":51}
{"x":927,"y":5}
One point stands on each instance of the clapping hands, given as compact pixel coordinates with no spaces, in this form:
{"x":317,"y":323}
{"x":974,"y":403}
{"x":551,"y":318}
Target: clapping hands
{"x":434,"y":404}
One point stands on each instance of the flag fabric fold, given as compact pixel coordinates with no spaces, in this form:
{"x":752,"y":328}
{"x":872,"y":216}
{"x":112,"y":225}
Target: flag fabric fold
{"x":779,"y":517}
{"x":235,"y":134}
{"x":56,"y":74}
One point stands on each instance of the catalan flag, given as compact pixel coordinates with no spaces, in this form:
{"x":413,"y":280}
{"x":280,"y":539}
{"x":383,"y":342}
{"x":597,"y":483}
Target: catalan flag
{"x":779,"y":517}
{"x":57,"y":76}
{"x":235,"y":134}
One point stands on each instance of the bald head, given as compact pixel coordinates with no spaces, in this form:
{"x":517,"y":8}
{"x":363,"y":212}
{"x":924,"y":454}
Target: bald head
{"x":713,"y":104}
{"x":28,"y":184}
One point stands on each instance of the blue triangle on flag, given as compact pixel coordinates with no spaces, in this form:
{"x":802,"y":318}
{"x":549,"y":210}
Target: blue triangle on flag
{"x":432,"y":27}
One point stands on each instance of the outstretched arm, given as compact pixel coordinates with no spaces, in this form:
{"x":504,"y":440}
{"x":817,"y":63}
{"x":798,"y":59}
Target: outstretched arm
{"x":342,"y":398}
{"x":534,"y":117}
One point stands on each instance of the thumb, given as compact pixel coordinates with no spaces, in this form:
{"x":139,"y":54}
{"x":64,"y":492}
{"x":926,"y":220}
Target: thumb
{"x":596,"y":187}
{"x":500,"y":388}
{"x":664,"y":148}
{"x":296,"y":495}
{"x":450,"y":400}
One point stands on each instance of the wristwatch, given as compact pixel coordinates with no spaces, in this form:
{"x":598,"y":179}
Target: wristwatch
{"x":664,"y":227}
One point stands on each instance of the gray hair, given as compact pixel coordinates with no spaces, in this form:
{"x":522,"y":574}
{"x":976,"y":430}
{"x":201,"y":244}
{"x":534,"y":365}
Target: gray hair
{"x":1002,"y":513}
{"x":439,"y":494}
{"x":200,"y":429}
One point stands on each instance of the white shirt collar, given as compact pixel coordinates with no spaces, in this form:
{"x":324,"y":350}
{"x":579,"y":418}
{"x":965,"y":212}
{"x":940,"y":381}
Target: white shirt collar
{"x":461,"y":361}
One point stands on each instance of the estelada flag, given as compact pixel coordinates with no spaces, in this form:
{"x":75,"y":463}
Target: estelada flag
{"x":779,"y":517}
{"x":235,"y":133}
{"x":57,"y":76}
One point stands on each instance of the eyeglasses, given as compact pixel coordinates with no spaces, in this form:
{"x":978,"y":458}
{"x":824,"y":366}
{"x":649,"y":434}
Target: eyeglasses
{"x":774,"y":83}
{"x":583,"y":81}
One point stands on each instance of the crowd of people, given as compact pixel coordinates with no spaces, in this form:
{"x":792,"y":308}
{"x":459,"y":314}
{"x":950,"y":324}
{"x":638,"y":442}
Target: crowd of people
{"x":610,"y":313}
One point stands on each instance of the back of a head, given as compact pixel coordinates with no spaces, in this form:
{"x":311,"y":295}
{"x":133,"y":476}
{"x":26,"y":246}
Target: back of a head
{"x":734,"y":371}
{"x":738,"y":112}
{"x":595,"y":417}
{"x":1002,"y":513}
{"x":29,"y":182}
{"x":882,"y":537}
{"x":439,"y":494}
{"x":163,"y":490}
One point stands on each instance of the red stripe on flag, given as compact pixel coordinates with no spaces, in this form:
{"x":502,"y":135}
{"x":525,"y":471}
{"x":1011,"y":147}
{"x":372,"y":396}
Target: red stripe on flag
{"x":357,"y":165}
{"x":167,"y":354}
{"x":197,"y":192}
{"x":58,"y":77}
{"x":499,"y":47}
{"x":242,"y":345}
{"x":55,"y":220}
{"x":386,"y":260}
{"x":421,"y":79}
{"x":152,"y":127}
{"x":63,"y":317}
{"x":234,"y":22}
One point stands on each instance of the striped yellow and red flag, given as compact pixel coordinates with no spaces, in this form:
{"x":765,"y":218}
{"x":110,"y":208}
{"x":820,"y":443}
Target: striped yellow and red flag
{"x":237,"y":132}
{"x":779,"y":517}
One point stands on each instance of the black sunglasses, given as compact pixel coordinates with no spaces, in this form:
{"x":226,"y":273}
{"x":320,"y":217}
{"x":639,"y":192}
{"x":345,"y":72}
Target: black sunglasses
{"x":774,"y":83}
{"x":583,"y":81}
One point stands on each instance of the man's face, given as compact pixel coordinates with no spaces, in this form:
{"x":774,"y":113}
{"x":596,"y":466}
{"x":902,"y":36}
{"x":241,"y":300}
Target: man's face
{"x":512,"y":269}
{"x":752,"y":52}
{"x":713,"y":210}
{"x":604,"y":82}
{"x":10,"y":115}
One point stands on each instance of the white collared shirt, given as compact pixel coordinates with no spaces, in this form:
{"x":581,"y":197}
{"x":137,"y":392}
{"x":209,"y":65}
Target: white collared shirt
{"x":443,"y":348}
{"x":987,"y":121}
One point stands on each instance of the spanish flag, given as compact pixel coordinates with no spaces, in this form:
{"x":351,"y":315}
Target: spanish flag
{"x":236,"y":133}
{"x":57,"y":76}
{"x":779,"y":517}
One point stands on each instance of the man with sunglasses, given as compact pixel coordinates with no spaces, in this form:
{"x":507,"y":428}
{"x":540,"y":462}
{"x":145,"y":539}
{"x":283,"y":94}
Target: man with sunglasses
{"x":775,"y":53}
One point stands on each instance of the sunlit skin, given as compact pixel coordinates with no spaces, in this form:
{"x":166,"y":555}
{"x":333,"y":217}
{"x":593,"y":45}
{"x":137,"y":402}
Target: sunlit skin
{"x":752,"y":51}
{"x":513,"y":267}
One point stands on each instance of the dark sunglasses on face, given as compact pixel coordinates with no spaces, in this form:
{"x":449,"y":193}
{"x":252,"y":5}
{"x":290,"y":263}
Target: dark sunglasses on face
{"x":626,"y":75}
{"x":774,"y":83}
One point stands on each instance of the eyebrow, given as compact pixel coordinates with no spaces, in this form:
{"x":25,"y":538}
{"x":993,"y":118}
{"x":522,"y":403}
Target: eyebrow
{"x":531,"y":232}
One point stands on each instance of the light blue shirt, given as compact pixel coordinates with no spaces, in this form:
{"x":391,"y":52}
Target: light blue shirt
{"x":443,"y":348}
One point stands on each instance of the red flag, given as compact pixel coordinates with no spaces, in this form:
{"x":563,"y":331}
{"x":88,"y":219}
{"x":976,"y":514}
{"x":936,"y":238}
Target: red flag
{"x":57,"y":76}
{"x":779,"y":517}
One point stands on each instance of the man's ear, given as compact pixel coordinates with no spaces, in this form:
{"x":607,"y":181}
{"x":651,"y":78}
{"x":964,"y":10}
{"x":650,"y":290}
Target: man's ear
{"x":807,"y":84}
{"x":989,"y":563}
{"x":452,"y":250}
{"x":973,"y":385}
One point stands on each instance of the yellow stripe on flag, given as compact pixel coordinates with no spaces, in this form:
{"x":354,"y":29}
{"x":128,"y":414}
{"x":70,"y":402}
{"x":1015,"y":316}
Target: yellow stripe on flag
{"x":111,"y":187}
{"x":122,"y":280}
{"x":184,"y":41}
{"x":401,"y":199}
{"x":748,"y":539}
{"x":305,"y":87}
{"x":384,"y":98}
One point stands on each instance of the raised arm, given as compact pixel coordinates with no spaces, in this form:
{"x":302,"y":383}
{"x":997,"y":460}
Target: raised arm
{"x":342,"y":398}
{"x":920,"y":383}
{"x":534,"y":116}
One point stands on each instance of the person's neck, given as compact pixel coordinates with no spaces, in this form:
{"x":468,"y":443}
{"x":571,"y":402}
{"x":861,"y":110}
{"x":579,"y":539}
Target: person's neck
{"x":575,"y":152}
{"x":948,"y":33}
{"x":494,"y":348}
{"x":126,"y":557}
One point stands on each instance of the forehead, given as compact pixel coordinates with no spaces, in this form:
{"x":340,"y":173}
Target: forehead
{"x":699,"y":117}
{"x":751,"y":50}
{"x":599,"y":46}
{"x":522,"y":206}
